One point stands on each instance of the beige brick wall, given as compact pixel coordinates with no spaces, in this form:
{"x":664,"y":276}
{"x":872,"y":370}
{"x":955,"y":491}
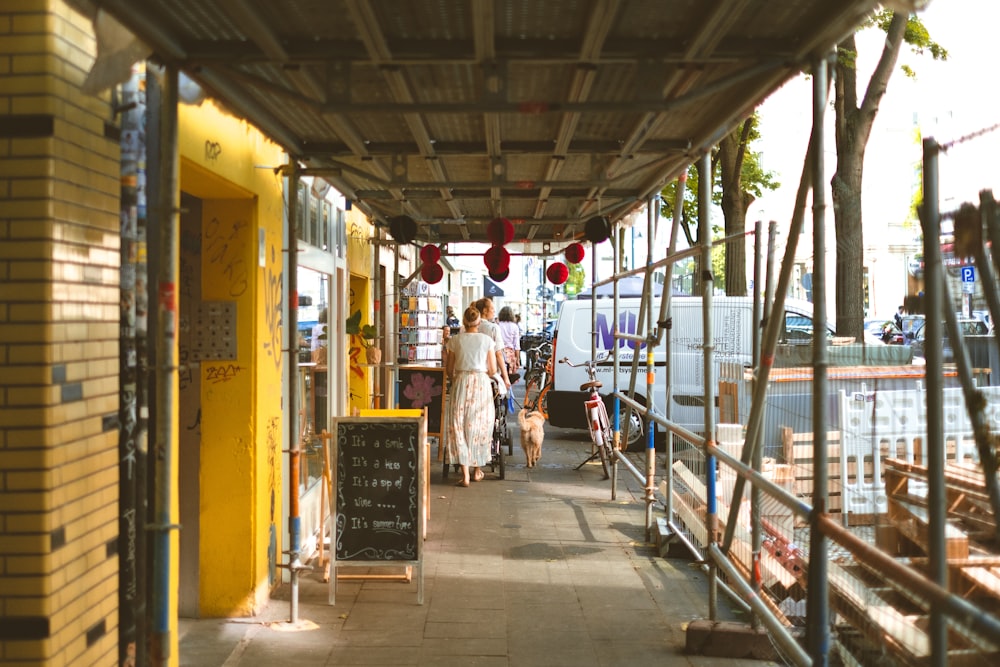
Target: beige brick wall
{"x":59,"y":255}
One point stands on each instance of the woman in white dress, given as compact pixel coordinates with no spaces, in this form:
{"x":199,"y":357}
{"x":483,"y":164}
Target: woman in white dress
{"x":469,"y":365}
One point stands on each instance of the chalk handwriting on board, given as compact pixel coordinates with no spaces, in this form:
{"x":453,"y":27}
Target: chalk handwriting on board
{"x":377,"y":490}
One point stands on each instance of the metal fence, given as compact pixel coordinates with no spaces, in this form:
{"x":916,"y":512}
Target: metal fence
{"x":874,"y":529}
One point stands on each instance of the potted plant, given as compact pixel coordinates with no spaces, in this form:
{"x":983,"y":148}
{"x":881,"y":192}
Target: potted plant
{"x":366,"y":333}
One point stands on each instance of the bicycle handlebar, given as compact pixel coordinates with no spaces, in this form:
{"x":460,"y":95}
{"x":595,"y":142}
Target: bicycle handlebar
{"x":589,"y":364}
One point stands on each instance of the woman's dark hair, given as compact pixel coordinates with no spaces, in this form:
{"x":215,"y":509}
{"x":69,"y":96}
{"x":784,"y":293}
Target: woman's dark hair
{"x":506,"y":314}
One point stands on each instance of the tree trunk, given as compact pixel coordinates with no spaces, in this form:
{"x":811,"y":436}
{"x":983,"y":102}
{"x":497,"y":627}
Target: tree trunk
{"x":850,"y":246}
{"x":735,"y":204}
{"x":853,"y":129}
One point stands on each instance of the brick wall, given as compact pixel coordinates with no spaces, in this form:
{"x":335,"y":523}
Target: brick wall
{"x":59,"y":256}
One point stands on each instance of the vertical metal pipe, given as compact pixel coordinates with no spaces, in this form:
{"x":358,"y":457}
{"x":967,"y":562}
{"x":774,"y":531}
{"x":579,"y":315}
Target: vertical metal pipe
{"x":756,"y":534}
{"x":148,"y":157}
{"x":377,"y":390}
{"x":772,"y":241}
{"x":758,"y":260}
{"x":393,"y":349}
{"x":593,"y":352}
{"x":165,"y":547}
{"x":128,"y":481}
{"x":294,"y":431}
{"x":667,"y":314}
{"x":933,"y":308}
{"x":707,"y":288}
{"x":650,"y":366}
{"x":817,"y":632}
{"x":616,"y":257}
{"x":989,"y":269}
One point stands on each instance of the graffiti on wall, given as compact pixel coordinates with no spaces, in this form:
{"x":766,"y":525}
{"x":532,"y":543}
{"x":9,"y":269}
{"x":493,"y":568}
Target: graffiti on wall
{"x":273,"y":303}
{"x":272,"y":444}
{"x":226,"y":246}
{"x":213,"y":149}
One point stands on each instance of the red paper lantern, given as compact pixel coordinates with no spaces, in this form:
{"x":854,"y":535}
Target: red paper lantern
{"x":597,"y":229}
{"x":500,"y":277}
{"x":500,"y":231}
{"x":574,"y":253}
{"x":557,"y":273}
{"x":497,"y":259}
{"x":431,"y":273}
{"x":430,"y":254}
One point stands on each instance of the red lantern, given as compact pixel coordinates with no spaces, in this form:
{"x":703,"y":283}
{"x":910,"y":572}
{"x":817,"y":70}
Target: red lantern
{"x":500,"y":277}
{"x":431,"y":273}
{"x":557,"y":273}
{"x":497,"y":259}
{"x":430,"y":254}
{"x":574,"y":253}
{"x":500,"y":231}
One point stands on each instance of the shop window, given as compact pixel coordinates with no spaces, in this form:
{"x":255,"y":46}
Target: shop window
{"x":314,"y":379}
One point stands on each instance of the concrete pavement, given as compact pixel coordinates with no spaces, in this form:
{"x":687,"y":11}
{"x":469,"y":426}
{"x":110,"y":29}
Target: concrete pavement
{"x":539,"y":569}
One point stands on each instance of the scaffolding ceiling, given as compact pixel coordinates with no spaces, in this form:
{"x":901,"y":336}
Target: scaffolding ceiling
{"x":545,"y":112}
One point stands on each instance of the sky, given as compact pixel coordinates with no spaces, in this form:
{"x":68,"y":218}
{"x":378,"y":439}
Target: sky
{"x":946,"y":101}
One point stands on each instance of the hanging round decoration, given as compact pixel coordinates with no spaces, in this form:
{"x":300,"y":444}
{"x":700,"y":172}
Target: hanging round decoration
{"x":431,"y":273}
{"x":500,"y":277}
{"x":575,"y":253}
{"x":597,"y":229}
{"x":403,"y":228}
{"x":557,"y":273}
{"x":500,"y":231}
{"x":497,"y":259}
{"x":430,"y":254}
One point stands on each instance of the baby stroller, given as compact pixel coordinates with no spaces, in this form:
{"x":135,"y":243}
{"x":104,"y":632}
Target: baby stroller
{"x":501,"y":431}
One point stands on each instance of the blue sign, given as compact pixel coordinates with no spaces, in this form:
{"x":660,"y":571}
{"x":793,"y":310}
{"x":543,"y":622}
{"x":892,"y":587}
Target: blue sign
{"x":490,"y":288}
{"x":968,"y":274}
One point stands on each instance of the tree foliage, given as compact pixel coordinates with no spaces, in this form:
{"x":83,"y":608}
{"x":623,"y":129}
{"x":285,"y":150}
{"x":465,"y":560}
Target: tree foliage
{"x":738,"y":179}
{"x":576,"y":280}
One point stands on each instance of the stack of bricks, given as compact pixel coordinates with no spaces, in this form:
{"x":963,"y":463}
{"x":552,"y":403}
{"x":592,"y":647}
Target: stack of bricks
{"x":59,"y":315}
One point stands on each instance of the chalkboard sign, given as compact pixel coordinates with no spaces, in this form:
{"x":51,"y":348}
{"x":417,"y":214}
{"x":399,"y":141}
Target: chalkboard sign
{"x":423,"y":387}
{"x":377,"y":504}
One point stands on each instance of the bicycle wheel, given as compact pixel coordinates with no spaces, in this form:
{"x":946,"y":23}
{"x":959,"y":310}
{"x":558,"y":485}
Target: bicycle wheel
{"x":543,"y":401}
{"x":597,"y":420}
{"x":532,"y":390}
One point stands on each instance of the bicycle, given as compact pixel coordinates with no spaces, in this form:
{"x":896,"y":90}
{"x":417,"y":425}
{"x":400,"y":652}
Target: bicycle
{"x":598,"y":423}
{"x":537,"y":354}
{"x":536,"y":389}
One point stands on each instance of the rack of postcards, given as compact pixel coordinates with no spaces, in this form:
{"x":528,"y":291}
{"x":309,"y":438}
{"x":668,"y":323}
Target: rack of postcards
{"x":421,"y":316}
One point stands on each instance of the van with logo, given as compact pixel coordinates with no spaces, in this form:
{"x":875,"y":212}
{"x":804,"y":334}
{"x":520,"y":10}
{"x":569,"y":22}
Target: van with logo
{"x":733,"y":327}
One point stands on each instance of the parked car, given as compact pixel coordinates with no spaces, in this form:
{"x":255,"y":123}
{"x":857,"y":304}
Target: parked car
{"x":968,"y":327}
{"x":911,"y":323}
{"x":884,"y":331}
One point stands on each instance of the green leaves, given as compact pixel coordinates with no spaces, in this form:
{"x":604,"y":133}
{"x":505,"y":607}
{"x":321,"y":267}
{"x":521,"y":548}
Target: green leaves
{"x":355,"y":328}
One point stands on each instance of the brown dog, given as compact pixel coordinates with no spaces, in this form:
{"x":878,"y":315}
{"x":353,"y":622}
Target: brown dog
{"x":532,"y":434}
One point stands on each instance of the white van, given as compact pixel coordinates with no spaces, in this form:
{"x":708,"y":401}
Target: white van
{"x":733,"y":327}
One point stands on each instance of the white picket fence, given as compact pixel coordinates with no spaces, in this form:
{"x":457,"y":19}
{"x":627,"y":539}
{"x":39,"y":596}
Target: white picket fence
{"x":876,"y":426}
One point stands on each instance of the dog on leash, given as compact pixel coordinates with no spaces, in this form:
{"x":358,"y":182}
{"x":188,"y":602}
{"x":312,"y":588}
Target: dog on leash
{"x":532,"y":433}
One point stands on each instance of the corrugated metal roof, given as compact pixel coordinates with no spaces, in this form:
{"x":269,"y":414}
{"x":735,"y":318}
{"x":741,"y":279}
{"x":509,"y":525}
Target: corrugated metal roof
{"x":547,"y":112}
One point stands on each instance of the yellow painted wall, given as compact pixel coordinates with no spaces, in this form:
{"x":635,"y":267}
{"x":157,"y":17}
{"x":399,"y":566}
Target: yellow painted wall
{"x":241,"y":422}
{"x":59,"y":274}
{"x":359,"y":259}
